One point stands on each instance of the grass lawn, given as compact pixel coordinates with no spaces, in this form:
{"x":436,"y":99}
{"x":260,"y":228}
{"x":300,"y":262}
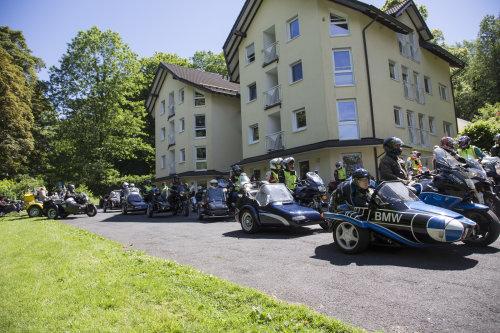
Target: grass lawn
{"x":57,"y":278}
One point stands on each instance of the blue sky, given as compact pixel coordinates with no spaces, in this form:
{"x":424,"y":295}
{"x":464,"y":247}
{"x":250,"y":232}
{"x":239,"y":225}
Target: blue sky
{"x":183,"y":27}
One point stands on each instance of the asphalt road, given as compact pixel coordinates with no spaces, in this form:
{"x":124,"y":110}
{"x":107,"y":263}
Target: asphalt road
{"x":448,"y":288}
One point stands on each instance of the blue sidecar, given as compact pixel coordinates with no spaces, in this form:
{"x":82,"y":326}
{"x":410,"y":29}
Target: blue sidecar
{"x":395,"y":216}
{"x":272,"y":205}
{"x":133,"y":203}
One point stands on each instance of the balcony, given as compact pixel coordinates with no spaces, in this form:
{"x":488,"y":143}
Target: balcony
{"x":171,"y":140}
{"x":275,"y":141}
{"x":272,"y":97}
{"x":418,"y":137}
{"x":271,"y":54}
{"x":171,"y":111}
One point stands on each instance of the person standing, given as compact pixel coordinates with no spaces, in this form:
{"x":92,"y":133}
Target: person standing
{"x":414,"y":164}
{"x":392,"y":167}
{"x":340,"y":173}
{"x":289,"y":174}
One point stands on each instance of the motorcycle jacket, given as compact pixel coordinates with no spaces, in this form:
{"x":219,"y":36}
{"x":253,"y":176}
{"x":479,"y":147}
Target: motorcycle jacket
{"x":236,"y":181}
{"x":392,"y":168}
{"x":290,"y":178}
{"x":495,"y":151}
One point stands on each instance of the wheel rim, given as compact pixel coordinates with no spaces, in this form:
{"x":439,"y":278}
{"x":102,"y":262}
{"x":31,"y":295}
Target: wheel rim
{"x":34,"y":212}
{"x":247,"y":221}
{"x":481,"y":230}
{"x":347,"y":235}
{"x":51,"y":213}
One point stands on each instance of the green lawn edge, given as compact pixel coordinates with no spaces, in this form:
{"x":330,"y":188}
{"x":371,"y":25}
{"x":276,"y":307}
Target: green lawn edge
{"x":58,"y":278}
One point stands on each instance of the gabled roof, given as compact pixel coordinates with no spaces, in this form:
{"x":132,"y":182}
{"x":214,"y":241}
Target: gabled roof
{"x":250,"y":8}
{"x":204,"y":81}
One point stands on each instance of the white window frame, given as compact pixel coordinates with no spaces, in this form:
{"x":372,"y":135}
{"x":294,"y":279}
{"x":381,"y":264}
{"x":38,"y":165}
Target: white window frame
{"x":448,"y":129}
{"x":249,"y":87}
{"x":163,"y":161}
{"x":196,"y":160}
{"x":290,"y":71}
{"x":432,"y":125}
{"x":251,"y":132}
{"x":248,"y":57}
{"x":162,"y":134}
{"x":397,"y":109}
{"x":162,"y":107}
{"x":414,"y":47}
{"x":182,"y":125}
{"x":200,"y":128}
{"x":351,"y":70}
{"x":429,"y":85}
{"x":196,"y":98}
{"x":289,"y":28}
{"x":180,"y":96}
{"x":295,"y":127}
{"x":182,"y":155}
{"x":345,"y":20}
{"x":395,"y":70}
{"x":443,"y":92}
{"x":348,"y":122}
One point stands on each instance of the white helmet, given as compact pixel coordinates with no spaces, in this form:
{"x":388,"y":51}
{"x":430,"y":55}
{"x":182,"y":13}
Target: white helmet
{"x":214,"y":182}
{"x":288,"y":160}
{"x":273,"y":164}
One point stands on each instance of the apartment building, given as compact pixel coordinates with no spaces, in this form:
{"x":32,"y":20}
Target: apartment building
{"x":197,"y":123}
{"x":329,"y":80}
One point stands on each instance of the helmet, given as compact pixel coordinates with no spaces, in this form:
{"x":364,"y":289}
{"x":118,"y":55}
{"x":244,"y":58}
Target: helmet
{"x":338,"y":164}
{"x":176,"y":177}
{"x":214,"y":182}
{"x":288,"y":160}
{"x":463,"y":142}
{"x":497,"y":137}
{"x":244,"y":179}
{"x":132,"y":185}
{"x":393,"y":145}
{"x":415,"y":154}
{"x":71,"y":187}
{"x":448,"y":144}
{"x":124,"y":185}
{"x":358,"y":174}
{"x":148,"y":182}
{"x":273,"y":164}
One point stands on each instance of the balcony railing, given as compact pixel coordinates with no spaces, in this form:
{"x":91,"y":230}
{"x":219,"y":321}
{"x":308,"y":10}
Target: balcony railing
{"x":272,"y":97}
{"x":271,"y":53}
{"x":418,"y":137}
{"x":275,"y":141}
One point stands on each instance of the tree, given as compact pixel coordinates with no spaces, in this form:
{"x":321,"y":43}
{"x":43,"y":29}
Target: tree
{"x":209,"y":62}
{"x":486,"y":125}
{"x":95,"y":93}
{"x":391,"y":3}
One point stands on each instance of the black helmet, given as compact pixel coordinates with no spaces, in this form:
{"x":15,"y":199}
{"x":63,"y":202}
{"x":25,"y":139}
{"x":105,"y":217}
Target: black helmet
{"x":176,"y":177}
{"x":338,"y":164}
{"x":148,"y":182}
{"x":390,"y":146}
{"x":71,"y":187}
{"x":463,"y":142}
{"x":360,"y":173}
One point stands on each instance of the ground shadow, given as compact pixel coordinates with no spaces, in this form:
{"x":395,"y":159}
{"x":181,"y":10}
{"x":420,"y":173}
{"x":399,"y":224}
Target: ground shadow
{"x":436,"y":257}
{"x":276,"y":233}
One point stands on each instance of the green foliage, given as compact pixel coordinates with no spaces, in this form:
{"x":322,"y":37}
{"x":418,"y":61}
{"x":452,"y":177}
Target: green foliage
{"x":391,"y":3}
{"x":58,"y":278}
{"x":485,"y":127}
{"x":15,"y":188}
{"x":209,"y":62}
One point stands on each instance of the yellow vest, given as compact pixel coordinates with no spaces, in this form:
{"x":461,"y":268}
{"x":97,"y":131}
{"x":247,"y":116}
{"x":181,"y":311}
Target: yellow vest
{"x":468,"y":153}
{"x":341,"y":174}
{"x":290,"y":178}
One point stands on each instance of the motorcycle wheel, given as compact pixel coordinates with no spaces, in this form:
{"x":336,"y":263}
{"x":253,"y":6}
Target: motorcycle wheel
{"x":489,"y":228}
{"x":186,"y":209}
{"x":492,"y":201}
{"x":34,"y":211}
{"x":124,"y":210}
{"x":91,"y":210}
{"x":350,"y":238}
{"x":52,"y":213}
{"x":248,"y":222}
{"x":200,"y":214}
{"x":104,"y":208}
{"x":149,"y":211}
{"x":324,"y":225}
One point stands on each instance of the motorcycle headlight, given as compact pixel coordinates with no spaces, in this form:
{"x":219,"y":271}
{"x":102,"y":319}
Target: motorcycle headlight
{"x":473,"y":173}
{"x":322,"y":188}
{"x":298,"y":218}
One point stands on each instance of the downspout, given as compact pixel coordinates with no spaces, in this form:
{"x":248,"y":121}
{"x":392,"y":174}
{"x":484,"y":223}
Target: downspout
{"x":370,"y":92}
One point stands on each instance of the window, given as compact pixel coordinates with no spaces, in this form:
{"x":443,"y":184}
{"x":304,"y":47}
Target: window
{"x":393,"y":70}
{"x":398,"y":117}
{"x":448,"y":129}
{"x":427,"y":85}
{"x":338,"y":26}
{"x":162,"y":110}
{"x":413,"y":44}
{"x":200,"y":158}
{"x":293,"y":28}
{"x":303,"y":168}
{"x":200,"y":130}
{"x":348,"y":120}
{"x":418,"y":89}
{"x":253,"y":133}
{"x":171,"y":106}
{"x":296,"y":72}
{"x":352,"y":161}
{"x":181,"y":96}
{"x":402,"y":44}
{"x":343,"y":68}
{"x":299,"y":120}
{"x":443,"y":92}
{"x":182,"y":155}
{"x":181,"y":125}
{"x":407,"y":87}
{"x":199,"y":99}
{"x":163,"y":162}
{"x":250,"y":53}
{"x":162,"y":134}
{"x":256,"y":173}
{"x":252,"y":92}
{"x":432,"y":125}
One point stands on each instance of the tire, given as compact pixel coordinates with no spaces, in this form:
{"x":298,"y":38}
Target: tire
{"x":491,"y":200}
{"x":52,"y":213}
{"x":149,"y":211}
{"x":104,"y":208}
{"x":488,"y":231}
{"x":249,"y":222}
{"x":324,"y":225}
{"x":124,"y":210}
{"x":91,"y":210}
{"x":349,"y":238}
{"x":186,"y":209}
{"x":200,"y":214}
{"x":35,"y":211}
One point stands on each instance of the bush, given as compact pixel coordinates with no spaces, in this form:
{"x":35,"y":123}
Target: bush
{"x":14,"y":188}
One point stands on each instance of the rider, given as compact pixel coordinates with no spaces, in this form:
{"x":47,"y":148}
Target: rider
{"x":495,"y":150}
{"x":391,"y":165}
{"x":214,"y":183}
{"x":274,"y":175}
{"x":340,"y":173}
{"x":449,"y":144}
{"x":176,"y":183}
{"x":357,"y":191}
{"x":147,"y":191}
{"x":413,"y":163}
{"x":125,"y":191}
{"x":289,"y":174}
{"x":235,"y":178}
{"x":466,"y":150}
{"x":70,"y":192}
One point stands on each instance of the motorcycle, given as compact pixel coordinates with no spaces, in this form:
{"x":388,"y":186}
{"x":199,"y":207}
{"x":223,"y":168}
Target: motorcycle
{"x":491,"y":166}
{"x":455,"y":187}
{"x":158,"y":204}
{"x":214,"y":205}
{"x":311,"y":192}
{"x":179,"y":200}
{"x":55,"y":208}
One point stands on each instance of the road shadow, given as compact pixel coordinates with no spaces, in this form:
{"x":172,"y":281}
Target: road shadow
{"x":275,"y":233}
{"x":141,"y":217}
{"x":438,"y":257}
